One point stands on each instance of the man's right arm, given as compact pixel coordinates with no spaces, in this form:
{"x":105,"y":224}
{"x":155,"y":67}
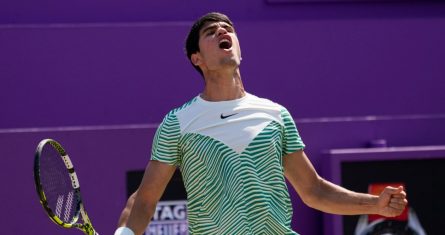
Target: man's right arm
{"x":142,"y":204}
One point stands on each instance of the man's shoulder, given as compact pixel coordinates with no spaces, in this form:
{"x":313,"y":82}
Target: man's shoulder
{"x":174,"y":111}
{"x":265,"y":102}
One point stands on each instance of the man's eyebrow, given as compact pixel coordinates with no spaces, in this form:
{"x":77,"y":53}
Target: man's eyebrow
{"x":212,"y":26}
{"x":215,"y":25}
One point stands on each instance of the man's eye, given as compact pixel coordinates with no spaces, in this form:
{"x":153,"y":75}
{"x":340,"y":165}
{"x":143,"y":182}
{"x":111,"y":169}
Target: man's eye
{"x":210,"y":33}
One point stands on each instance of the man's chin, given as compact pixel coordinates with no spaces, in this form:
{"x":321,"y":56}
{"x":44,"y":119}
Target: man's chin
{"x":231,"y":61}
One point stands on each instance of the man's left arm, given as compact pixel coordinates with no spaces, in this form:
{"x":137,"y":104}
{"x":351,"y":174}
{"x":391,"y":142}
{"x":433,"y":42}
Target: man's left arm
{"x":323,"y":195}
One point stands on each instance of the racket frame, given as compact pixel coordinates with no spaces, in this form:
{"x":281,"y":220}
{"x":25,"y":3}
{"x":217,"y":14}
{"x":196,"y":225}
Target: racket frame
{"x":86,"y":227}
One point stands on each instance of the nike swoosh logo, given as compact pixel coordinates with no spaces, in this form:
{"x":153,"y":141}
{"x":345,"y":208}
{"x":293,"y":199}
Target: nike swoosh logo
{"x":224,"y":117}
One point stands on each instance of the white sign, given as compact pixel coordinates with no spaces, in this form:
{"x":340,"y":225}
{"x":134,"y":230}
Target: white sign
{"x":170,"y":218}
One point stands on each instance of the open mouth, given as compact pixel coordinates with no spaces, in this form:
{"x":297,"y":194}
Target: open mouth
{"x":225,"y":44}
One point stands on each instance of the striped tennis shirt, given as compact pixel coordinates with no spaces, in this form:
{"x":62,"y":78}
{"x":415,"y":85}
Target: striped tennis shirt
{"x":230,"y":156}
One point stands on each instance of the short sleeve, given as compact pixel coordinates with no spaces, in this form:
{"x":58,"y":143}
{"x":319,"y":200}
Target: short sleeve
{"x":291,"y":138}
{"x":165,"y":143}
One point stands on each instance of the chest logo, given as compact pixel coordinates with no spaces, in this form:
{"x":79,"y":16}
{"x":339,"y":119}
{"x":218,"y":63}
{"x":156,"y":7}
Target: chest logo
{"x":226,"y":116}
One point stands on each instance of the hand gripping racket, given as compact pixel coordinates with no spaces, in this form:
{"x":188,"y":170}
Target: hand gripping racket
{"x":58,"y":187}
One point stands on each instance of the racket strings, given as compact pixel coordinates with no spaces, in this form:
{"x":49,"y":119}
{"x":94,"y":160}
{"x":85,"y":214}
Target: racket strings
{"x":56,"y":184}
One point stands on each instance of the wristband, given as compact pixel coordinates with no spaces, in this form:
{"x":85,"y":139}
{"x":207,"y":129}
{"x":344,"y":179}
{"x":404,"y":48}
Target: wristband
{"x":123,"y":231}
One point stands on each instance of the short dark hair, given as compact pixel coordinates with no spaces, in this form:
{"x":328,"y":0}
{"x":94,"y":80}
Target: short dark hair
{"x":192,"y":41}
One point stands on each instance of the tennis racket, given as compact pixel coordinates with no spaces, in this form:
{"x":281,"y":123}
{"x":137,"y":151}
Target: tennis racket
{"x":58,"y":187}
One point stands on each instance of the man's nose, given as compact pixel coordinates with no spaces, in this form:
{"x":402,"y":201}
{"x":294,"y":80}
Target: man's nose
{"x":220,"y":30}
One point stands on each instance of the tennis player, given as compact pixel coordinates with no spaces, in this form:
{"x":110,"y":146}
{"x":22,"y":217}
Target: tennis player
{"x":234,"y":150}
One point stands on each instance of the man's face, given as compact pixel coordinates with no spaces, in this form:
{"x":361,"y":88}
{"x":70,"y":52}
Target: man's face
{"x":219,"y":46}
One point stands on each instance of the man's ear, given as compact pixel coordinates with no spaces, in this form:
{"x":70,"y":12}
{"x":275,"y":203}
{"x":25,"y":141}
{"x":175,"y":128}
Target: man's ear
{"x":196,"y":59}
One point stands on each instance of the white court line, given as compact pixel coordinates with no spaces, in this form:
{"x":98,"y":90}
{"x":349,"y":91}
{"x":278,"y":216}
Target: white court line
{"x":79,"y":128}
{"x":370,"y":118}
{"x":297,"y":120}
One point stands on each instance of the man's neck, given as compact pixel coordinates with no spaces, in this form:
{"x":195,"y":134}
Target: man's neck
{"x":222,"y":86}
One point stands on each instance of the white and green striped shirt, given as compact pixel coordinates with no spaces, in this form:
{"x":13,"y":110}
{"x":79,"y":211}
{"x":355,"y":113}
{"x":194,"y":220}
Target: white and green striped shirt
{"x":230,"y":155}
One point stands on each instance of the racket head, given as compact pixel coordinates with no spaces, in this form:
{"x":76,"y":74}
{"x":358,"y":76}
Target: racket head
{"x":57,"y":184}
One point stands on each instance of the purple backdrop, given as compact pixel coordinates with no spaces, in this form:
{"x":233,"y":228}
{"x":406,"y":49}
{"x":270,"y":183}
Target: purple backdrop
{"x":107,"y":65}
{"x":56,"y":11}
{"x":98,"y":74}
